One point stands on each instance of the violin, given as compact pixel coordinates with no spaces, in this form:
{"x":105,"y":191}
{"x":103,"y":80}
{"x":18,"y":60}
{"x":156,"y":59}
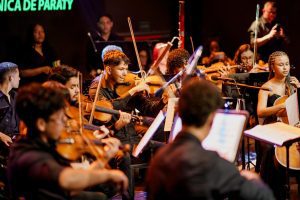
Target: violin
{"x":131,"y":80}
{"x":103,"y":113}
{"x":73,"y":146}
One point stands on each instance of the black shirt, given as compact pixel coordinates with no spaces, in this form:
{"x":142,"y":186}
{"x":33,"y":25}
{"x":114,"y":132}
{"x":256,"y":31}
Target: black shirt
{"x":276,"y":44}
{"x":33,"y":170}
{"x":32,"y":59}
{"x":184,"y":170}
{"x":146,"y":106}
{"x":9,"y":121}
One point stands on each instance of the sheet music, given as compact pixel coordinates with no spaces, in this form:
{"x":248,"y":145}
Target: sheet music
{"x":170,"y":113}
{"x":292,"y":110}
{"x":148,"y":135}
{"x":176,"y":128}
{"x":225,"y":135}
{"x":276,"y":133}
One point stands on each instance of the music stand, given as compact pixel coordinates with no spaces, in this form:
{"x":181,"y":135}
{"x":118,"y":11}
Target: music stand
{"x":148,"y":135}
{"x":249,"y":96}
{"x":225,"y":134}
{"x":279,"y":134}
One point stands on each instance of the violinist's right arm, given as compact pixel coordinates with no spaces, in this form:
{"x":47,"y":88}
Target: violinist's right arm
{"x":5,"y":139}
{"x":123,"y":120}
{"x":35,"y":71}
{"x":76,"y":179}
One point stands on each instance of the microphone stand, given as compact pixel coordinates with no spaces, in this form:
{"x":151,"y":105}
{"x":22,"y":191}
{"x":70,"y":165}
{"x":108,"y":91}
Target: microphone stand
{"x":92,"y":41}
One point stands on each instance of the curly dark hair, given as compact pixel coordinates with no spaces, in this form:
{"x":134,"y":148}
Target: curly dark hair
{"x":35,"y":101}
{"x":63,"y":73}
{"x":114,"y":58}
{"x":177,"y":59}
{"x":198,"y":99}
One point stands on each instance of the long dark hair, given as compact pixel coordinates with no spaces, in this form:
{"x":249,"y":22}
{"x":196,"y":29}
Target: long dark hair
{"x":30,"y":37}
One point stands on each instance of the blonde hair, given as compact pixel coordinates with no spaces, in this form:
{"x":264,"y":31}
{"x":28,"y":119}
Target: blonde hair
{"x":271,"y":62}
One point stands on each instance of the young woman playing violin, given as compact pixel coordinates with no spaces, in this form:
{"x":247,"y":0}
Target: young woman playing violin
{"x":280,"y":83}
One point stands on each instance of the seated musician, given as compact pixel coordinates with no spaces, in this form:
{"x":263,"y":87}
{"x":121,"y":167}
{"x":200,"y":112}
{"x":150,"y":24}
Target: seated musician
{"x":35,"y":169}
{"x":280,"y":83}
{"x":216,"y":55}
{"x":68,"y":76}
{"x":244,"y":57}
{"x":116,"y":68}
{"x":9,"y":122}
{"x":176,"y":61}
{"x":184,"y":170}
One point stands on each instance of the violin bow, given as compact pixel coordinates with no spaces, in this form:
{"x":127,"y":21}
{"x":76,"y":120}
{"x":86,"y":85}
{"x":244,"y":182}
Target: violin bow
{"x":255,"y":36}
{"x":85,"y":139}
{"x":95,"y":99}
{"x":142,"y":71}
{"x":154,"y":67}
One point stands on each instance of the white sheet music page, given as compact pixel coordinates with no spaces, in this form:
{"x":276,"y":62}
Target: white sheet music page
{"x":225,"y":135}
{"x":148,"y":135}
{"x":291,"y":105}
{"x":276,"y":133}
{"x":170,"y":113}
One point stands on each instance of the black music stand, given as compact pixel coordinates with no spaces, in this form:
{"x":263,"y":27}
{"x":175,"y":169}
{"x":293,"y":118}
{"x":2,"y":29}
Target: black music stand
{"x":250,"y":97}
{"x":260,"y":135}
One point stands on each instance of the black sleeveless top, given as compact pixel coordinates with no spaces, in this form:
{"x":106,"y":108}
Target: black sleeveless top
{"x":270,"y":102}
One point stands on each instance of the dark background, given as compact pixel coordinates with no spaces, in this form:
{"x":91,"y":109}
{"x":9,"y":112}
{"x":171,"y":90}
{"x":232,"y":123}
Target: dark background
{"x":66,"y":31}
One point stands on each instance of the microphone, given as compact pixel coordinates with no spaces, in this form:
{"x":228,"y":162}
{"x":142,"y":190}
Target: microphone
{"x":216,"y":78}
{"x":92,"y":41}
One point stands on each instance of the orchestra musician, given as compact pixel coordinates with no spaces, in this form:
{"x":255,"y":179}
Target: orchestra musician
{"x":281,"y":83}
{"x":270,"y":34}
{"x":9,"y":121}
{"x":116,"y":69}
{"x":183,"y":169}
{"x":177,"y":61}
{"x":68,"y":76}
{"x":38,"y":58}
{"x":35,"y":169}
{"x":244,"y":57}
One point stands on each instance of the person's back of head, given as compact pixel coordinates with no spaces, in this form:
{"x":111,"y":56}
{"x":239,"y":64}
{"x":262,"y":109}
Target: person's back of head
{"x":8,"y":68}
{"x":58,"y":86}
{"x":177,"y":59}
{"x":198,"y":99}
